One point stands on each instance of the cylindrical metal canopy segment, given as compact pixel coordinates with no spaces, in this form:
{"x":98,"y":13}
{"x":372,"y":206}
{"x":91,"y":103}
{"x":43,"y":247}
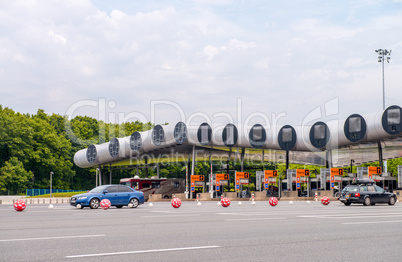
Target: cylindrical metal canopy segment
{"x":119,"y":147}
{"x":319,"y":135}
{"x":384,"y":124}
{"x":136,"y":141}
{"x":204,"y":134}
{"x":180,"y":133}
{"x":287,"y":138}
{"x":354,"y":129}
{"x":103,"y":153}
{"x":391,"y":120}
{"x":168,"y":135}
{"x":158,"y":135}
{"x":257,"y":136}
{"x":87,"y":157}
{"x":230,"y":135}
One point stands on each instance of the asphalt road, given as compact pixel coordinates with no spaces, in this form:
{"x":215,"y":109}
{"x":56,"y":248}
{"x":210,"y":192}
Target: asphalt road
{"x":287,"y":232}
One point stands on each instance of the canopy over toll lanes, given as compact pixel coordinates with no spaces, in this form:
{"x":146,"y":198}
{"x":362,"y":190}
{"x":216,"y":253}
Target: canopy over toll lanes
{"x":367,"y":138}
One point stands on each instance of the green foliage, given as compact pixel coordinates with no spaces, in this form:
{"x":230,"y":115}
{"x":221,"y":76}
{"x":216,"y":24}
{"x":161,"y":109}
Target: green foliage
{"x":13,"y":176}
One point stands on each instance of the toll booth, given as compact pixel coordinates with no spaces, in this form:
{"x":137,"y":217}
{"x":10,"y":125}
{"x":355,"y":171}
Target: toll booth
{"x":299,"y":179}
{"x":197,"y":184}
{"x":399,"y":176}
{"x":270,"y":177}
{"x":382,"y":179}
{"x":221,"y":180}
{"x":242,"y":178}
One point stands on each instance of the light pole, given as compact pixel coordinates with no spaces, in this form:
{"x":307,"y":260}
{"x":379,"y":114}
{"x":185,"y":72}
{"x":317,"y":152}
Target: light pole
{"x":382,"y":56}
{"x":51,"y":173}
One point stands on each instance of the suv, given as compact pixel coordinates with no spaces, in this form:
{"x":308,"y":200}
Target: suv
{"x":364,"y":191}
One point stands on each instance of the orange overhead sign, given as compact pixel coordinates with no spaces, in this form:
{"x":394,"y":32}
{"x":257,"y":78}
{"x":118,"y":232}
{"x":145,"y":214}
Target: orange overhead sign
{"x":197,"y":178}
{"x":240,"y":175}
{"x":373,"y":170}
{"x":302,"y":172}
{"x":222,"y":177}
{"x":271,"y":173}
{"x":336,"y":171}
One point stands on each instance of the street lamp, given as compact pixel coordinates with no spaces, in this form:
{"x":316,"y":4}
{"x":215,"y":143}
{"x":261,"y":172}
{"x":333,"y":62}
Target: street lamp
{"x":51,"y":173}
{"x":382,"y":56}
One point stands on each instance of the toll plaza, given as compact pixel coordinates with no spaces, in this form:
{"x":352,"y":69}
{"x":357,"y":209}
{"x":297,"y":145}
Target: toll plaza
{"x":242,"y":178}
{"x":197,"y":184}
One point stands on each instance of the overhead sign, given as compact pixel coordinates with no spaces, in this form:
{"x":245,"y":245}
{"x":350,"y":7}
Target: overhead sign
{"x":222,"y":177}
{"x":336,"y":171}
{"x":269,"y":177}
{"x":271,"y":173}
{"x":196,"y":180}
{"x":373,"y":170}
{"x":242,"y":178}
{"x":302,"y":172}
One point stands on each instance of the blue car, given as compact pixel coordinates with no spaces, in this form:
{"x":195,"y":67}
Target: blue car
{"x":118,"y":195}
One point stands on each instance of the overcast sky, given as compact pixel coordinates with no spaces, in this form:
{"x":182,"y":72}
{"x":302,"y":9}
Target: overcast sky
{"x":113,"y":59}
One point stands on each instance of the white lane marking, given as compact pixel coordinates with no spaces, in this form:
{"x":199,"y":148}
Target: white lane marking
{"x":49,"y":238}
{"x":142,"y":251}
{"x":253,"y":219}
{"x":372,"y":222}
{"x":193,"y":215}
{"x":344,"y":217}
{"x":161,"y":211}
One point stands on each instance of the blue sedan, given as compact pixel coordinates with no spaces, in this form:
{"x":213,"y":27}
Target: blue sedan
{"x":118,"y":195}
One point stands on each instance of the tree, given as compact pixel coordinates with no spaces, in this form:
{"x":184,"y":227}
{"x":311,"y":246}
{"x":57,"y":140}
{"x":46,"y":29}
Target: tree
{"x":14,"y":177}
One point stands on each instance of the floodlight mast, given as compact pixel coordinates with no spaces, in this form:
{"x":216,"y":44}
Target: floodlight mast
{"x":382,"y":56}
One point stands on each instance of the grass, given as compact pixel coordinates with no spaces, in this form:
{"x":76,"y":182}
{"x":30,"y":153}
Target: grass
{"x":66,"y":194}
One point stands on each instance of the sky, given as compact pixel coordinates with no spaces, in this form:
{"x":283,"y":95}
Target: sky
{"x":218,"y":61}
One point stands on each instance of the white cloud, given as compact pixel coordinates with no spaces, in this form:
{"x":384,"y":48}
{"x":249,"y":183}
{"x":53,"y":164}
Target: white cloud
{"x":202,"y":56}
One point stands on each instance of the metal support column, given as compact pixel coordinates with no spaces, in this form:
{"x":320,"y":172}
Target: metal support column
{"x":192,"y":168}
{"x":287,"y":160}
{"x":146,"y":166}
{"x":100,"y":175}
{"x":380,"y":156}
{"x":110,"y":174}
{"x":328,"y":159}
{"x":243,"y":151}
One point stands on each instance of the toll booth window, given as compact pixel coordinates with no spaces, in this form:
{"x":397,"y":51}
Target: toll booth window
{"x":91,"y":154}
{"x":125,"y":183}
{"x":114,"y":147}
{"x":319,"y":132}
{"x":394,"y":116}
{"x":257,"y":133}
{"x":229,"y":135}
{"x":287,"y":135}
{"x":180,"y":132}
{"x":355,"y":124}
{"x":156,"y":184}
{"x":158,"y":135}
{"x":204,"y":134}
{"x":146,"y":185}
{"x":135,"y":142}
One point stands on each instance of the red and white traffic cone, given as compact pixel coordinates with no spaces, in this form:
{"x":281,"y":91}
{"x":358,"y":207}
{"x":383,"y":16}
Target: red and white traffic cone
{"x":316,"y":196}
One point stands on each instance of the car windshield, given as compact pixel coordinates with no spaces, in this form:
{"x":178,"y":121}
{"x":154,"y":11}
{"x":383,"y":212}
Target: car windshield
{"x":98,"y":189}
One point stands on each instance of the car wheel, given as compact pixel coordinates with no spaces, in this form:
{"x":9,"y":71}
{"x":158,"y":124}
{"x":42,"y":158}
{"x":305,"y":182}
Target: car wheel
{"x":119,"y":206}
{"x":134,"y":202}
{"x":347,"y":203}
{"x":391,"y":201}
{"x":166,"y":197}
{"x":94,"y":204}
{"x":367,"y":201}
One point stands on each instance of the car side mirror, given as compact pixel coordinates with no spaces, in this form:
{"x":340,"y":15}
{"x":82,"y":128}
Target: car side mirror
{"x":104,"y":192}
